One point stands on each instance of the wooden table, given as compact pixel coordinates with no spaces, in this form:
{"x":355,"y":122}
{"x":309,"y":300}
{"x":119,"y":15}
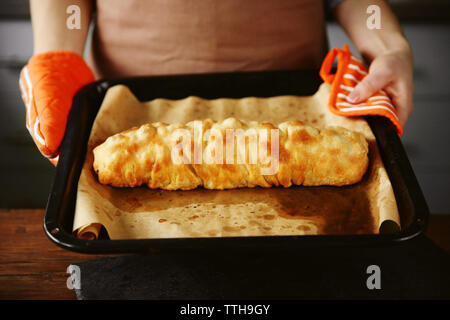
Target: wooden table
{"x":32,"y":267}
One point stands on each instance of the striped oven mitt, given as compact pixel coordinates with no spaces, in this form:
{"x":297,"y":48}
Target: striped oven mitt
{"x":48,"y":83}
{"x":350,"y":71}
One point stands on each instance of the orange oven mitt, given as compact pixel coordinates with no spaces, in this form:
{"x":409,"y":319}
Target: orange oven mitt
{"x":350,"y":71}
{"x":48,"y":83}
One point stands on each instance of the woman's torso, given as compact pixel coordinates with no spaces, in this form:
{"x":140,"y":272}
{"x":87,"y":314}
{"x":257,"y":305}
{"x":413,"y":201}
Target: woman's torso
{"x":187,"y":36}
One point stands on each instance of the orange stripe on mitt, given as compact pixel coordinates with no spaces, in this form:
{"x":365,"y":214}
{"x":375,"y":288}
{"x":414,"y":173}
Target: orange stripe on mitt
{"x":350,"y":71}
{"x":48,"y":83}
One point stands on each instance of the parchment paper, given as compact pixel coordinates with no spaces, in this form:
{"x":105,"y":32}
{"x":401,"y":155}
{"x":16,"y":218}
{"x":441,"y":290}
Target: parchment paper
{"x":133,"y":213}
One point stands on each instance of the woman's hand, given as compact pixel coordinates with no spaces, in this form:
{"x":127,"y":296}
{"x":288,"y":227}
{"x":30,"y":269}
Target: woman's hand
{"x":392,"y":72}
{"x":48,"y":83}
{"x":385,"y":48}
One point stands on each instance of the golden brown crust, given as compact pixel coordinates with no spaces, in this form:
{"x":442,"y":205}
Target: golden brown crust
{"x":306,"y":156}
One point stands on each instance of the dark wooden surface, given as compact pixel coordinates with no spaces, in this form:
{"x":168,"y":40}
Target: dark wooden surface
{"x":32,"y":267}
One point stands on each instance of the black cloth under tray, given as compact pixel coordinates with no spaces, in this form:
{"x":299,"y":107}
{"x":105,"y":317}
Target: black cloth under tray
{"x":414,"y":269}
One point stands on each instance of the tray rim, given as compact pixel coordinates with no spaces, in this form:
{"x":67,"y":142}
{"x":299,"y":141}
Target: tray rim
{"x":381,"y":127}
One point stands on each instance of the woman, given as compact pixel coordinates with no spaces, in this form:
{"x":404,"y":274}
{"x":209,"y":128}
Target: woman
{"x":186,"y":36}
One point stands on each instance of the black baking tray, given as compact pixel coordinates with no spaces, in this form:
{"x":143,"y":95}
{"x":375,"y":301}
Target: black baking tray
{"x":60,"y":209}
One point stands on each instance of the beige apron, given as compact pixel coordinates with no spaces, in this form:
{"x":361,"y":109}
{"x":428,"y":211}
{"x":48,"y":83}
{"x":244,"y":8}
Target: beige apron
{"x":136,"y":37}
